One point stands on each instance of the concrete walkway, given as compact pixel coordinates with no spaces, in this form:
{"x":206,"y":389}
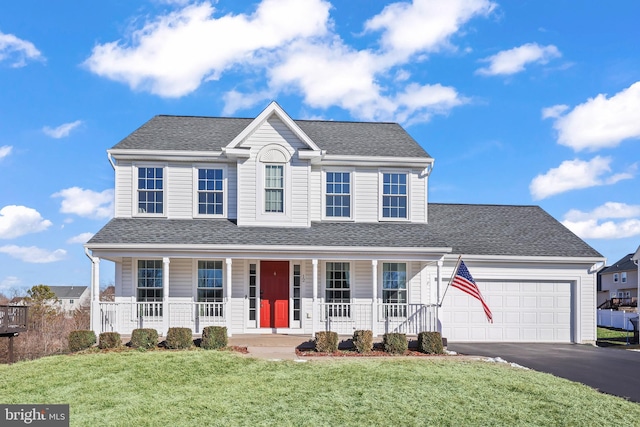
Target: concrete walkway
{"x":272,"y":347}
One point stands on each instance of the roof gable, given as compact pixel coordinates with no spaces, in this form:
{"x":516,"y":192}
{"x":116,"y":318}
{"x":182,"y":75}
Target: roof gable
{"x":272,"y":109}
{"x":623,"y":264}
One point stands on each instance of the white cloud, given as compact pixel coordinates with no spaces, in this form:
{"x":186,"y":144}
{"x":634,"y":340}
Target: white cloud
{"x":575,"y":174}
{"x":86,"y":203}
{"x":588,"y":225}
{"x":17,"y":50}
{"x":80,"y":238}
{"x":172,"y":55}
{"x":424,"y":25}
{"x":554,"y":112}
{"x":292,"y":42}
{"x":514,"y":60}
{"x":5,"y":150}
{"x":33,"y":254}
{"x":61,"y":131}
{"x":9,"y":282}
{"x":602,"y":122}
{"x":16,"y":221}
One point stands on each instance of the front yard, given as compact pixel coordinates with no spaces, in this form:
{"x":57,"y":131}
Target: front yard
{"x":200,"y":387}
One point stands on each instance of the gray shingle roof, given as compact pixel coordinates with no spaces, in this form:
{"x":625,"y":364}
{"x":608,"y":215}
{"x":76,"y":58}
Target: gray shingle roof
{"x":468,"y":229}
{"x":213,"y":133}
{"x":68,"y":291}
{"x":505,"y":230}
{"x":623,"y":264}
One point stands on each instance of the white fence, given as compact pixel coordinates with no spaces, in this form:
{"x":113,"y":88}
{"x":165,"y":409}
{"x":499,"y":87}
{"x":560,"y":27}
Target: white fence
{"x":616,"y":319}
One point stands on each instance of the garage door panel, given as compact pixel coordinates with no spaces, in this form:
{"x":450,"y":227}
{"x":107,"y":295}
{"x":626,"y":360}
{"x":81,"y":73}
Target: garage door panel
{"x":522,"y":312}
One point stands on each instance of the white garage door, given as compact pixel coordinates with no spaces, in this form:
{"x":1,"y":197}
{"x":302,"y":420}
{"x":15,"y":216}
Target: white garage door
{"x":522,"y":312}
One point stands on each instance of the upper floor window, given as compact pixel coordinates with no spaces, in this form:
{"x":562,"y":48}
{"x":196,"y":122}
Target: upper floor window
{"x":210,"y":192}
{"x":616,"y":277}
{"x":394,"y":195}
{"x":338,"y":194}
{"x":623,"y":277}
{"x":150,"y":190}
{"x":274,"y":188}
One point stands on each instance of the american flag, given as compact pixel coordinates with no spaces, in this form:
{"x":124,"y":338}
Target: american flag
{"x":464,"y":281}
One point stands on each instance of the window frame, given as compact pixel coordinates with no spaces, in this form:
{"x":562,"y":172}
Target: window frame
{"x":394,"y":308}
{"x":623,"y":277}
{"x":281,"y":189}
{"x":158,"y":262}
{"x":196,"y":190}
{"x":338,"y":311}
{"x":616,"y":277}
{"x":220,"y":289}
{"x":137,"y":189}
{"x":351,"y":194}
{"x":381,"y":194}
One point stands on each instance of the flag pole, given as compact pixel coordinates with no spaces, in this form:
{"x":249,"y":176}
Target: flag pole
{"x":455,"y":269}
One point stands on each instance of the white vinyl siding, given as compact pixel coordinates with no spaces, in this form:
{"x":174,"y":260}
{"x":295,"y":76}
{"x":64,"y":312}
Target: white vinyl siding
{"x":315,"y":195}
{"x":180,"y":278}
{"x":365,"y":195}
{"x":250,"y":187}
{"x":232,"y":192}
{"x":418,"y":194}
{"x":179,"y":191}
{"x":123,"y":190}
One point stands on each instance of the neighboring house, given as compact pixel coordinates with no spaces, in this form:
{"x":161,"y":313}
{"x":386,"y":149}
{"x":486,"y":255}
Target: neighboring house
{"x":71,"y":297}
{"x":274,"y":225}
{"x":18,"y":301}
{"x":618,"y":283}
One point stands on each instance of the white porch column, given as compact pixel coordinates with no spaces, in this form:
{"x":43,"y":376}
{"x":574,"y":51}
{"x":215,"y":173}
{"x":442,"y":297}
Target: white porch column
{"x":227,"y":313}
{"x":439,"y":265}
{"x":314,"y":305}
{"x":165,"y":295}
{"x":374,"y":296}
{"x":95,"y":296}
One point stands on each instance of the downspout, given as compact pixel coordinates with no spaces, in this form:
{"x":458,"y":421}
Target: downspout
{"x":110,"y":157}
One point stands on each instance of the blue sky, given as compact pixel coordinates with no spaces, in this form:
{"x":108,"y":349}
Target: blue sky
{"x":519,"y":102}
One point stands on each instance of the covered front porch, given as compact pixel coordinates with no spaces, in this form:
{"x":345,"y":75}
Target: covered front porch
{"x":264,"y":291}
{"x":343,"y":318}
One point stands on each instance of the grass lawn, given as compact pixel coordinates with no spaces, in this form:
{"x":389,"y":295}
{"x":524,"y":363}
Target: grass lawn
{"x":611,"y":336}
{"x":163,"y":388}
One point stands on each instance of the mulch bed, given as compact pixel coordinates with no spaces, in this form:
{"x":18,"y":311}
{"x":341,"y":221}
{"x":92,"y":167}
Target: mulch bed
{"x":377,"y":351}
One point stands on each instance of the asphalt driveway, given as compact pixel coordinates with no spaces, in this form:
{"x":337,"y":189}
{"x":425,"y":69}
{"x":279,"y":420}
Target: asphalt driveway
{"x":611,"y":370}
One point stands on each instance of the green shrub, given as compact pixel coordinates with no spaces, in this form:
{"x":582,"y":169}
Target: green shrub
{"x":326,"y":342}
{"x":395,"y":343}
{"x":179,"y":338}
{"x":109,"y":340}
{"x":144,"y":338}
{"x":430,"y":342}
{"x":363,"y":341}
{"x":79,"y":340}
{"x":214,"y":337}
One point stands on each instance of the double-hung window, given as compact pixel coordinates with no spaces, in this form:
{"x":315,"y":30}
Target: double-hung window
{"x":337,"y":289}
{"x":394,"y":288}
{"x":615,"y":277}
{"x":394,"y":195}
{"x":623,"y":277}
{"x":338,"y":195}
{"x":274,"y":188}
{"x":210,"y":287}
{"x":210,"y":192}
{"x":149,"y":288}
{"x":150,"y":190}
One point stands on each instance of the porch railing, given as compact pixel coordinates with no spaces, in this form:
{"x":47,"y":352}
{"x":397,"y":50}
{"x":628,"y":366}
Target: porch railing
{"x":124,"y":317}
{"x":345,"y":318}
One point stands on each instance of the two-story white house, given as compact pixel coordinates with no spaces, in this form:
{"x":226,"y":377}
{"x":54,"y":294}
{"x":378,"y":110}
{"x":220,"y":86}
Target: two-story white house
{"x":275,"y":225}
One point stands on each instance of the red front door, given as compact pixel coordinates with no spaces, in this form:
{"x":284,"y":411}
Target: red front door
{"x":274,"y":294}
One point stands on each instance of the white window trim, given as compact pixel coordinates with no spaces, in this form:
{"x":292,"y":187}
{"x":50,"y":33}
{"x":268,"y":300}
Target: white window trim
{"x":623,"y":277}
{"x":352,"y":279}
{"x":381,"y":173}
{"x":225,"y":192}
{"x":616,"y":277}
{"x":262,"y":216}
{"x":135,"y":269}
{"x":134,"y":193}
{"x":352,"y":178}
{"x":194,"y":274}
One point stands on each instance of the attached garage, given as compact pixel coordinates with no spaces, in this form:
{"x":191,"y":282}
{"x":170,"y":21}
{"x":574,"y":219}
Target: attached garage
{"x":522,"y":312}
